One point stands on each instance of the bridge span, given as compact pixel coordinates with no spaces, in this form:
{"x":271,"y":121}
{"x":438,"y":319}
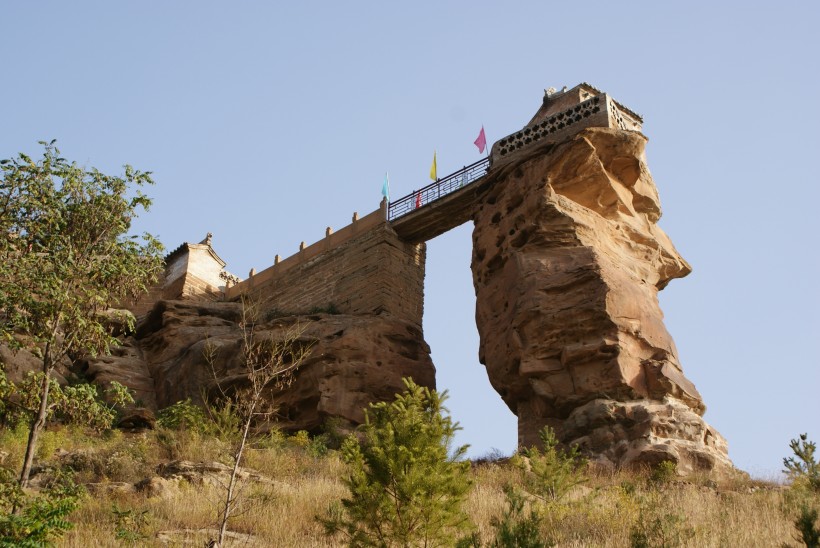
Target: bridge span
{"x":426,"y":213}
{"x":440,"y":206}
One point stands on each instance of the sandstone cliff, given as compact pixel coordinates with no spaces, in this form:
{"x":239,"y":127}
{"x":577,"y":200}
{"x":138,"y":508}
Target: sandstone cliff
{"x":567,"y":263}
{"x":355,"y":360}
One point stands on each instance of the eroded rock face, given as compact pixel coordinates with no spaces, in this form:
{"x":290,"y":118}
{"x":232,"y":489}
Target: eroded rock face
{"x":354,"y":360}
{"x":16,"y":363}
{"x":567,"y":263}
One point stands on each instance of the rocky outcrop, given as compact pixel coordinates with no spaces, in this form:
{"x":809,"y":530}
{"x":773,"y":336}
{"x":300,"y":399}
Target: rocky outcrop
{"x":354,"y":359}
{"x":170,"y":476}
{"x":16,"y":363}
{"x":567,"y":263}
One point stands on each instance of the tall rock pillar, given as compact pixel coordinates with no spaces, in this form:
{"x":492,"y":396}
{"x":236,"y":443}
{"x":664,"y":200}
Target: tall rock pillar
{"x":567,"y":263}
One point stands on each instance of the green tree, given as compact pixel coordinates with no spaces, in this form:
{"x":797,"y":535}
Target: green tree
{"x":806,"y":526}
{"x":803,"y":468}
{"x":65,"y":257}
{"x":406,"y":488}
{"x":804,"y":472}
{"x":35,"y":520}
{"x":550,"y":473}
{"x":76,"y":404}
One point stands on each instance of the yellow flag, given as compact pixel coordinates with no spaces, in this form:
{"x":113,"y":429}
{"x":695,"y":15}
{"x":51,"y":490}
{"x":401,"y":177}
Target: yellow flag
{"x":433,"y":174}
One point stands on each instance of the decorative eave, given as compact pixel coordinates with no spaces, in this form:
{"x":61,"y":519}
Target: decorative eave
{"x":187,"y":247}
{"x":176,"y":253}
{"x":210,"y":250}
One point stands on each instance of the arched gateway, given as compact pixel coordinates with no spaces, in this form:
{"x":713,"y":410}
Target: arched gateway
{"x":567,"y":263}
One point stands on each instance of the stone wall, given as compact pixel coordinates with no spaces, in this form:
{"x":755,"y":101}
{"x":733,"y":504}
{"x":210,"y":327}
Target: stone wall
{"x":562,"y":115}
{"x":146,"y":302}
{"x":191,"y":272}
{"x":193,"y":287}
{"x":372,"y":272}
{"x":567,"y":263}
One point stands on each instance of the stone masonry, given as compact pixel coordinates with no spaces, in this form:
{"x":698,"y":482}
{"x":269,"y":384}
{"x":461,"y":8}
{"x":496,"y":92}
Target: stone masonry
{"x":365,"y":268}
{"x":567,"y":263}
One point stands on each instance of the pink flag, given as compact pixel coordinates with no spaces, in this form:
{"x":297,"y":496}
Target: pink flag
{"x":481,"y":142}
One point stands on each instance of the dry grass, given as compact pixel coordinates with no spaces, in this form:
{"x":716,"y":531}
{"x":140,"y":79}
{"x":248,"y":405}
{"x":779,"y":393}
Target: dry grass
{"x":605,"y":512}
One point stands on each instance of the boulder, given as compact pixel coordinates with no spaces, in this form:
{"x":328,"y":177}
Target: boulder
{"x":136,"y":419}
{"x":170,"y":476}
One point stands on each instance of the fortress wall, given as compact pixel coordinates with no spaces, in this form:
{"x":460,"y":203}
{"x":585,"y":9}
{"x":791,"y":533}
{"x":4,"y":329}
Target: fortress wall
{"x":186,"y":286}
{"x":364,"y":268}
{"x":146,"y":302}
{"x":194,"y":287}
{"x":170,"y":285}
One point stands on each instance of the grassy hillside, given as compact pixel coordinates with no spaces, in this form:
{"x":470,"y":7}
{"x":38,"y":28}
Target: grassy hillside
{"x":133,"y":499}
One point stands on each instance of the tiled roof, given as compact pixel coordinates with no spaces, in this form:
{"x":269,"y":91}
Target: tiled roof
{"x":187,"y":247}
{"x":177,"y":252}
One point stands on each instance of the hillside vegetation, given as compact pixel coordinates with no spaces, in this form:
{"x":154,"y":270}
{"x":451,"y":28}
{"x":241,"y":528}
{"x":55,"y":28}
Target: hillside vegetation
{"x":132,"y":499}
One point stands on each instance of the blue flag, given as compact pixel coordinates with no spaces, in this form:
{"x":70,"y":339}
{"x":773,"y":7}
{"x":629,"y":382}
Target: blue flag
{"x":386,"y":187}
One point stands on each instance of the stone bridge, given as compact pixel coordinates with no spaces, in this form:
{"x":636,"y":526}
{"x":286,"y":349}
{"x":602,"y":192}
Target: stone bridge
{"x":567,"y":263}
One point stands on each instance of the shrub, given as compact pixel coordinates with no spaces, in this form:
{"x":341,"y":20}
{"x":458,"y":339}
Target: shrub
{"x":224,"y":420}
{"x":74,"y":404}
{"x":658,"y":529}
{"x":663,"y":473}
{"x":330,"y":308}
{"x":404,"y":487}
{"x":550,"y":473}
{"x":183,"y":415}
{"x":130,"y":525}
{"x":515,"y":529}
{"x":33,"y":521}
{"x":803,"y":468}
{"x":300,"y":439}
{"x":804,"y":472}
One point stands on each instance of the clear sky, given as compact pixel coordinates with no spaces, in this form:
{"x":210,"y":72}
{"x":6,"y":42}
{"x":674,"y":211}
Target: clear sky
{"x":265,"y":122}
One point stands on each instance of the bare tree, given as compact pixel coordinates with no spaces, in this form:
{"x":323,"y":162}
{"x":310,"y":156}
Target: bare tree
{"x":269,"y":364}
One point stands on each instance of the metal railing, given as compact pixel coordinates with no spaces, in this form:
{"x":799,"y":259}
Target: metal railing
{"x":439,"y":189}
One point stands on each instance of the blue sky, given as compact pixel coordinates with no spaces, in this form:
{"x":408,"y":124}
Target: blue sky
{"x":266,"y":122}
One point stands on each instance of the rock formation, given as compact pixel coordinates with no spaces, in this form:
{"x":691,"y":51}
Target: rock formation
{"x":354,"y":360}
{"x":16,"y":363}
{"x":567,"y":263}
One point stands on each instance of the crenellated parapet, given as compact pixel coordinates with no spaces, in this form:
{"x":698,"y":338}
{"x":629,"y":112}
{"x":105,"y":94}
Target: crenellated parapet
{"x":362,"y":268}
